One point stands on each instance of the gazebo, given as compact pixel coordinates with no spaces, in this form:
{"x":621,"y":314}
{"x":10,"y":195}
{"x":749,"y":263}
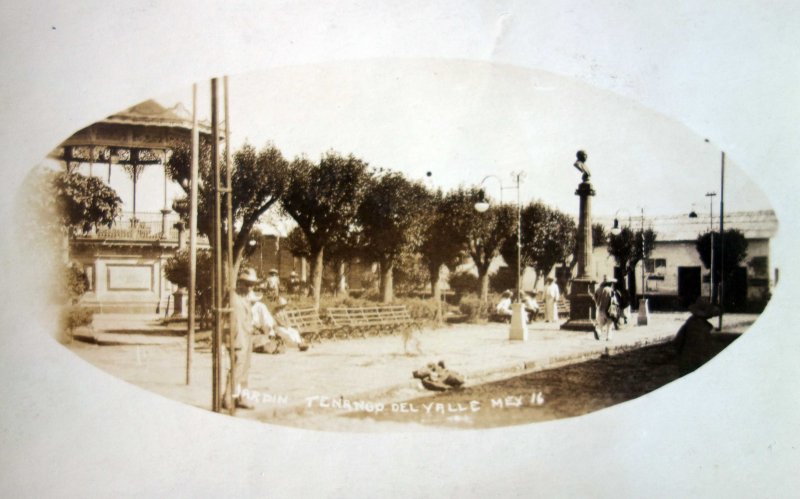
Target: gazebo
{"x":125,"y":263}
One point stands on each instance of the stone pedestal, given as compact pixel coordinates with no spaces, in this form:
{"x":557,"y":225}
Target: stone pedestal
{"x":519,"y":323}
{"x":581,"y":304}
{"x":180,"y":307}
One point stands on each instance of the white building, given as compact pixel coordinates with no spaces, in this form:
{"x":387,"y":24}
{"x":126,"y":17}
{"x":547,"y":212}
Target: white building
{"x":674,"y":274}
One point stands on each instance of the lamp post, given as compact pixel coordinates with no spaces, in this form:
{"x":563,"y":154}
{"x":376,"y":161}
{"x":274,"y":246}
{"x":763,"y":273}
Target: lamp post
{"x":519,"y":325}
{"x":644,"y":315}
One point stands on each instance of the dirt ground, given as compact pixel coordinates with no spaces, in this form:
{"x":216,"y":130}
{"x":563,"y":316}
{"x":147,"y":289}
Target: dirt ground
{"x":488,"y":401}
{"x":567,"y":391}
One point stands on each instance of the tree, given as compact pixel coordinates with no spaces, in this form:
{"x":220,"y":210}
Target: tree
{"x":259,"y":179}
{"x":393,"y":217}
{"x":63,"y":205}
{"x":628,"y":251}
{"x":735,"y":253}
{"x":599,"y":235}
{"x":548,"y":238}
{"x":445,"y":236}
{"x":486,"y":234}
{"x":82,"y":203}
{"x":176,"y":270}
{"x":323,"y":199}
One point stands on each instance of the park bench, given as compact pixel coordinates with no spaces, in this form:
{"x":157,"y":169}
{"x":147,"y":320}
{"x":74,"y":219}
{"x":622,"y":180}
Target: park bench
{"x":360,"y":321}
{"x":308,"y":322}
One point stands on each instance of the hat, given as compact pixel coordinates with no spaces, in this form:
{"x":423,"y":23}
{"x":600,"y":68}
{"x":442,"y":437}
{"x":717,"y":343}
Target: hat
{"x":282,"y":302}
{"x":248,"y":275}
{"x":608,"y":280}
{"x":293,"y":274}
{"x":549,"y":279}
{"x":507,"y":292}
{"x":703,"y":309}
{"x":273,"y":271}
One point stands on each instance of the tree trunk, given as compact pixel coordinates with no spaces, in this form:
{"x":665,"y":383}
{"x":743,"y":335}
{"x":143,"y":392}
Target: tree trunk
{"x":341,"y":278}
{"x":436,"y":292}
{"x":387,"y":289}
{"x":483,"y":278}
{"x":316,"y":275}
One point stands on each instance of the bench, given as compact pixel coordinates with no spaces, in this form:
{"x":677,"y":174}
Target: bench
{"x":308,"y":322}
{"x":352,"y":321}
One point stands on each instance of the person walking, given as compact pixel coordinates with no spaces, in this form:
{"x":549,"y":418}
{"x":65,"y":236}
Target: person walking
{"x":607,"y":309}
{"x":551,"y":297}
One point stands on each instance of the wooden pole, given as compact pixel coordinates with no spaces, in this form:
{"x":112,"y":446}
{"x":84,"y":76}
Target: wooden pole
{"x":192,"y":237}
{"x":721,"y":241}
{"x":229,"y":243}
{"x":216,"y":346}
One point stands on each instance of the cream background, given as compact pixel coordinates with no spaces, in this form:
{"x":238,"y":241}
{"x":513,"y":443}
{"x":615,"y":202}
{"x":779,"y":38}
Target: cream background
{"x":728,"y":70}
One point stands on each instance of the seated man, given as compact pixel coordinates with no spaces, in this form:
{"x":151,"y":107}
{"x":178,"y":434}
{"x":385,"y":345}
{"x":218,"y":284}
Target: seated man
{"x":263,"y":325}
{"x":288,"y":334}
{"x":503,"y":307}
{"x":531,"y":305}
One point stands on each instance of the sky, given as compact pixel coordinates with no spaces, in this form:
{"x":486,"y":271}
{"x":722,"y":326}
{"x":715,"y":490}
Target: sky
{"x":465,"y":120}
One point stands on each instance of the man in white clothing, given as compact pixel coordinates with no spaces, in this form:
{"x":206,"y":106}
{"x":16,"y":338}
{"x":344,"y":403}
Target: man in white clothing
{"x":551,"y":296}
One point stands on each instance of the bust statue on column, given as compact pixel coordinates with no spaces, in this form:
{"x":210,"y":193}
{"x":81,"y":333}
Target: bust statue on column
{"x":581,"y":304}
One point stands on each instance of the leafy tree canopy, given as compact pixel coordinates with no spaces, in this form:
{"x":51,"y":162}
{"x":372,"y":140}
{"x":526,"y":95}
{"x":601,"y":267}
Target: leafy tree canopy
{"x":259,"y":179}
{"x":735,"y":251}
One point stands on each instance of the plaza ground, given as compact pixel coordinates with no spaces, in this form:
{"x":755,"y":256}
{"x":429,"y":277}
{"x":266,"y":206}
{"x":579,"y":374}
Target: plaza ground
{"x":365,"y":384}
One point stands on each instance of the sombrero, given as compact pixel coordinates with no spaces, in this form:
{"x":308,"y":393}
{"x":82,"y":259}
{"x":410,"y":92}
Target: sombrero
{"x":248,"y":275}
{"x":702,"y":308}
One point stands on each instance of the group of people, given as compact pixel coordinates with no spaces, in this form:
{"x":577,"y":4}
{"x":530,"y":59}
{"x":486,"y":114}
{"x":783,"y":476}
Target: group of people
{"x":610,"y":303}
{"x":252,"y":324}
{"x":531,"y":306}
{"x":272,"y":285}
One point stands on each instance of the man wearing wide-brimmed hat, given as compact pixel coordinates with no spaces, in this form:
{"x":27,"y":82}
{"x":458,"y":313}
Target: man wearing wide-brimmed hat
{"x":694,"y":343}
{"x":273,"y":284}
{"x":242,"y":331}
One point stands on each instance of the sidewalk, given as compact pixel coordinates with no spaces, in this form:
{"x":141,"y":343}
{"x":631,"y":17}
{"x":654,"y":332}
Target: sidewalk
{"x":372,"y":369}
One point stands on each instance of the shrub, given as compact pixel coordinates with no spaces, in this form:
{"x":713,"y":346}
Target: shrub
{"x":472,"y":308}
{"x":75,"y":316}
{"x":75,"y":284}
{"x":463,"y":282}
{"x":420,"y":309}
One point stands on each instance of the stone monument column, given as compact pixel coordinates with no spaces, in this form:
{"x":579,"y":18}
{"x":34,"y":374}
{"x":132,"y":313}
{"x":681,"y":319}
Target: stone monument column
{"x":581,"y":303}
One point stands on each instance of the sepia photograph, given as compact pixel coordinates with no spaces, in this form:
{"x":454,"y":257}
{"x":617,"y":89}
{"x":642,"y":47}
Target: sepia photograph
{"x":432,"y":257}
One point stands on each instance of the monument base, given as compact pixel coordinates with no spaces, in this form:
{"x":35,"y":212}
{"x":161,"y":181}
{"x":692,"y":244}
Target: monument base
{"x":644,"y":313}
{"x":519,"y":323}
{"x":581,"y":306}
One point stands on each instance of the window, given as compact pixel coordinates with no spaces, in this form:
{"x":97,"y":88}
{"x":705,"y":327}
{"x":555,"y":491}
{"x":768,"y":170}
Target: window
{"x":760,"y":267}
{"x":655,"y":265}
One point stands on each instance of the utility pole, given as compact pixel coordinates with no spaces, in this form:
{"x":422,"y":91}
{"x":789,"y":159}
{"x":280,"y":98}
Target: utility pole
{"x":710,"y":196}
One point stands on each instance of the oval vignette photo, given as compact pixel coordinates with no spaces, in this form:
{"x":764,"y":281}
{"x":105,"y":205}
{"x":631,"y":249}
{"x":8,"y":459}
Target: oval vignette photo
{"x":397,"y":245}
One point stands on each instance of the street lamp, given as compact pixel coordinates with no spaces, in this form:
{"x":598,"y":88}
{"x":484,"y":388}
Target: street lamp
{"x":519,"y":327}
